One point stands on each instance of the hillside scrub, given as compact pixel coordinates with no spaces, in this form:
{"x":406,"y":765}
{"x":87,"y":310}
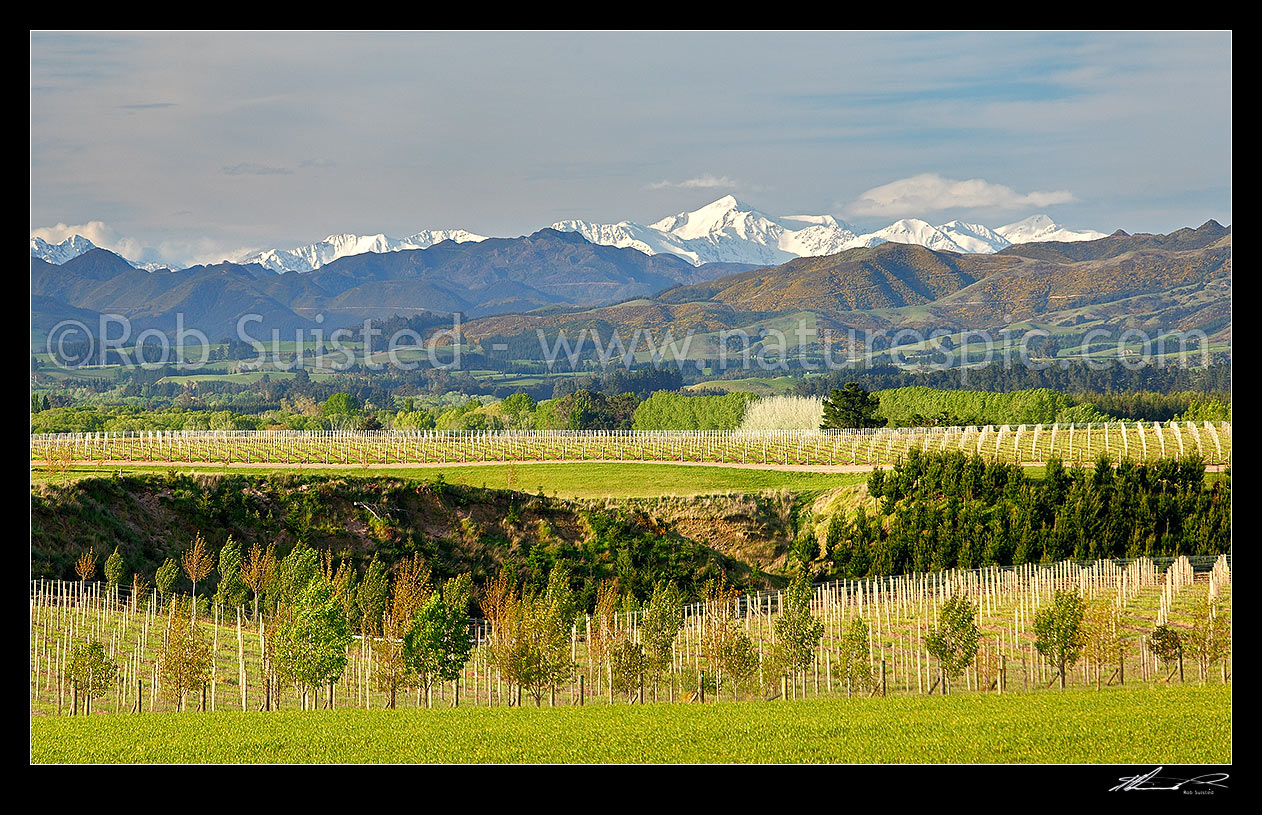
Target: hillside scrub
{"x":457,"y":529}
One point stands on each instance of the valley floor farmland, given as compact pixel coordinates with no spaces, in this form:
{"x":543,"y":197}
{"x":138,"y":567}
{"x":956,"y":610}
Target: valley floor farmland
{"x":1141,"y":725}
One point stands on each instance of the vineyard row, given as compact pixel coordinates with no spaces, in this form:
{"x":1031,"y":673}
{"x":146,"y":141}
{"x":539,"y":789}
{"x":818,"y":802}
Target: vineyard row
{"x":1033,"y":444}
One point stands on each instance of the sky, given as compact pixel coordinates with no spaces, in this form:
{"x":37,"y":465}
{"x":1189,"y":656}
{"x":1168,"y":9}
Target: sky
{"x":196,"y":147}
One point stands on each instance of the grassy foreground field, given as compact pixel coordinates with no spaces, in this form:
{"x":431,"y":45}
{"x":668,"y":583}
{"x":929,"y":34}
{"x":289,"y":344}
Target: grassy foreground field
{"x":1178,"y":724}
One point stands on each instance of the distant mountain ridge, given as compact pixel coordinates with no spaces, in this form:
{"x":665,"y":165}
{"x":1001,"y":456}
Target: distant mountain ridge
{"x":1180,"y":281}
{"x":74,"y":246}
{"x":495,"y":275}
{"x":313,"y":256}
{"x":724,"y":231}
{"x":1120,"y":243}
{"x":553,"y":280}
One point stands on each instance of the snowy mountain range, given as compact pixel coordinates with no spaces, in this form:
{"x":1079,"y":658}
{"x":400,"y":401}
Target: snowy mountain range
{"x":72,"y":247}
{"x":731,"y":231}
{"x":59,"y":253}
{"x":312,"y":256}
{"x":725,"y":231}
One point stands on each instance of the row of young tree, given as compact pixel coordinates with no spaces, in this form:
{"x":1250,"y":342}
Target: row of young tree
{"x":1071,"y":629}
{"x":952,"y":510}
{"x":306,"y":622}
{"x":426,"y":640}
{"x":421,"y":634}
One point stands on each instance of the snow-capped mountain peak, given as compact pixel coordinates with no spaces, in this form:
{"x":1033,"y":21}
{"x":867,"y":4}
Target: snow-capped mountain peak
{"x":726,"y":230}
{"x":974,"y":237}
{"x":59,"y":253}
{"x":913,"y":230}
{"x":1038,"y":228}
{"x":725,"y":213}
{"x":75,"y":245}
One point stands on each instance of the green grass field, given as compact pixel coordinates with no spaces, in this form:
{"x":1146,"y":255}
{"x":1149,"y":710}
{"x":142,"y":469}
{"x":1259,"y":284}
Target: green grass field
{"x":1166,"y":725}
{"x":567,"y":480}
{"x":577,"y":480}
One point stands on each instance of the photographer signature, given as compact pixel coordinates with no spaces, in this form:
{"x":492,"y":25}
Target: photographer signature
{"x":1153,"y":781}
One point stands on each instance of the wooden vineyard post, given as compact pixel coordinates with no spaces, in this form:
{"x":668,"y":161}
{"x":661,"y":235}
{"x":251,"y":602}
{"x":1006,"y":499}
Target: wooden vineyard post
{"x":214,"y":651}
{"x":580,"y":690}
{"x":241,"y":660}
{"x":267,"y":679}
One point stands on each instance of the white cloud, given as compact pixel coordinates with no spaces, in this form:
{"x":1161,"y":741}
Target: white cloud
{"x":704,"y":182}
{"x":930,"y":192}
{"x":100,"y":233}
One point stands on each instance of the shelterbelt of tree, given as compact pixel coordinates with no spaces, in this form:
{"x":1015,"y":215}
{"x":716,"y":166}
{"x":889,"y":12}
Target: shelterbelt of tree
{"x":949,"y":510}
